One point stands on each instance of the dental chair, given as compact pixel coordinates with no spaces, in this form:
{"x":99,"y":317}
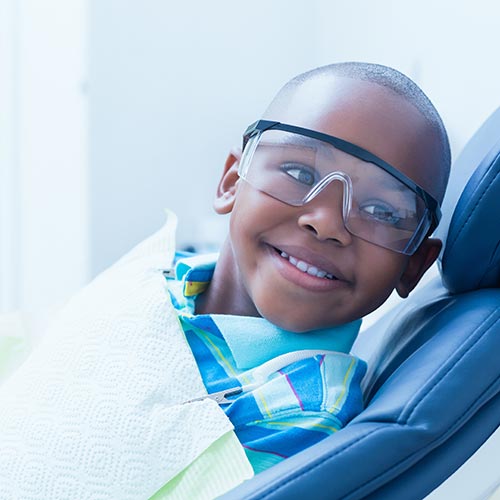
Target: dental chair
{"x":432,"y":390}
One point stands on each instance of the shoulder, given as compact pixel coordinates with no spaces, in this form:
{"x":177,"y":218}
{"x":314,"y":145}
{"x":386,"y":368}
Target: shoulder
{"x":326,"y":384}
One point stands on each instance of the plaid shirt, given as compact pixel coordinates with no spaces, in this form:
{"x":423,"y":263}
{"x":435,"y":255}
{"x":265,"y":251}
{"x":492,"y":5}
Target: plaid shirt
{"x":286,"y":403}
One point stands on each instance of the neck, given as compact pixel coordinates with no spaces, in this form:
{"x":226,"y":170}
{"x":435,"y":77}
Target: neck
{"x":226,"y":293}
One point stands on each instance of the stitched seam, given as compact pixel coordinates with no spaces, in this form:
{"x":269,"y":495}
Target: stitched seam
{"x":474,"y":207}
{"x":361,"y":438}
{"x":431,"y":444}
{"x":342,"y":450}
{"x":492,"y":265}
{"x":454,"y":364}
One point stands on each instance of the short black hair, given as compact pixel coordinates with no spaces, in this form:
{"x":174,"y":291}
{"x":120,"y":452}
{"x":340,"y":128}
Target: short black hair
{"x":393,"y":80}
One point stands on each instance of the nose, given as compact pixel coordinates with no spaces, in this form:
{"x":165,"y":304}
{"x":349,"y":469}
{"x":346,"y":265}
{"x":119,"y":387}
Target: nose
{"x":323,"y":215}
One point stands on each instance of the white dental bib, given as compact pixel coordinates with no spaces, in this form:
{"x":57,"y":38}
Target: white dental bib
{"x":98,"y":411}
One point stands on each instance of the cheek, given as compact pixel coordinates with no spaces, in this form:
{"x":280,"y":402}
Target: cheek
{"x":253,"y":213}
{"x":381,"y":272}
{"x":245,"y":226}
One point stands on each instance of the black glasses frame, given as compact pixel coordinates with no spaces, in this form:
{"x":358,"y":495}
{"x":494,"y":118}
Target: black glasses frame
{"x":348,"y":147}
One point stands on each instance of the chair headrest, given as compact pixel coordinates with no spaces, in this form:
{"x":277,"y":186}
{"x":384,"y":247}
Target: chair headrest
{"x":471,"y":257}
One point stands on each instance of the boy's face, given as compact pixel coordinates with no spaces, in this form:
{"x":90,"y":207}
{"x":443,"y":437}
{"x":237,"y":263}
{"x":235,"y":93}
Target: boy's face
{"x":268,"y":237}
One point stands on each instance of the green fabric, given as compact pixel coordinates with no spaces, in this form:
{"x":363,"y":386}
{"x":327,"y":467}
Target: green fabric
{"x":261,"y":461}
{"x":14,"y":344}
{"x":212,"y":474}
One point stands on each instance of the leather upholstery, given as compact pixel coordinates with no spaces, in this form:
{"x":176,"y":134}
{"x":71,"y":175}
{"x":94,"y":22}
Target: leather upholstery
{"x":471,"y":258}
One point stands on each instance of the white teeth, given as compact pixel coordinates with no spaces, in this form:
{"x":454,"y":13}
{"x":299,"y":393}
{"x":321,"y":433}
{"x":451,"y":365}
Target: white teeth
{"x":302,"y":266}
{"x":313,"y":271}
{"x":306,"y":268}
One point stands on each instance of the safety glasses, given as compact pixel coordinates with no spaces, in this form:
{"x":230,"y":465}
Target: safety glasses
{"x":380,"y":204}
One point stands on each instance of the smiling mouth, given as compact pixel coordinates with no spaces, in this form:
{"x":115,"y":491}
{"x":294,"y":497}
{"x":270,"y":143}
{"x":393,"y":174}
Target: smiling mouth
{"x":305,"y":267}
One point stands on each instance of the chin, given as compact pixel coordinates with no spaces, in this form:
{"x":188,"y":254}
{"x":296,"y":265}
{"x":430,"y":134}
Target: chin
{"x":295,"y":325}
{"x":296,"y":328}
{"x":293,"y":318}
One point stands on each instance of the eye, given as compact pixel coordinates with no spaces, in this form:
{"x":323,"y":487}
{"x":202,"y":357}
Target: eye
{"x":301,"y":173}
{"x":381,"y":213}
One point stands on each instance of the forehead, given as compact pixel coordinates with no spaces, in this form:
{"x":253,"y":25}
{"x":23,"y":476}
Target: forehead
{"x":368,"y":115}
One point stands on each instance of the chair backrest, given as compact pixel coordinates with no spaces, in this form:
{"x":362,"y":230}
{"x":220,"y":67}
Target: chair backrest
{"x":433,"y":385}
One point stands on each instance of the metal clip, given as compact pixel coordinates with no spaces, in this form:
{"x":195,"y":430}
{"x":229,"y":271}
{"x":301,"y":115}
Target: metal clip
{"x":169,"y":273}
{"x":220,"y":396}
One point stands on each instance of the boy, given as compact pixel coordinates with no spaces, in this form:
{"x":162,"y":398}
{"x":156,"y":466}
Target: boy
{"x":332,"y":202}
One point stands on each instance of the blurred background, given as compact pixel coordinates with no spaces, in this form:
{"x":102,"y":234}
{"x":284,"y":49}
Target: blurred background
{"x":112,"y":110}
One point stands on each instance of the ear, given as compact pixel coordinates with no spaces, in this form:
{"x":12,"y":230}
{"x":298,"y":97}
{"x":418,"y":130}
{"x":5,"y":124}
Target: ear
{"x":226,"y":190}
{"x":417,"y":265}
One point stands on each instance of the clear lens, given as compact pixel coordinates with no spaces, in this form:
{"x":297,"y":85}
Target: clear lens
{"x":376,"y":206}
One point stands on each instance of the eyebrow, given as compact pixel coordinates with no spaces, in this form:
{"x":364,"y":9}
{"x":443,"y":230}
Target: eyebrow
{"x":393,"y":184}
{"x":298,"y":141}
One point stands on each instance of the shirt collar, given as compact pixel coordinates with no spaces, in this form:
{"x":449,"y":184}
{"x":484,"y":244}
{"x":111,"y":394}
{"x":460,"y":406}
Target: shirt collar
{"x":195,"y":273}
{"x":252,"y":340}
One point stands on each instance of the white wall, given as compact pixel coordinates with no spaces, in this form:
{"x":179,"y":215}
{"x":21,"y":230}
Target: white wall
{"x":172,"y":87}
{"x":449,"y":47}
{"x":44,"y":225}
{"x":9,"y":235}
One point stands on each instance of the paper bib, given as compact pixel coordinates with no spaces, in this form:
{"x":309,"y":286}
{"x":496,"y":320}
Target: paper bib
{"x":97,"y":411}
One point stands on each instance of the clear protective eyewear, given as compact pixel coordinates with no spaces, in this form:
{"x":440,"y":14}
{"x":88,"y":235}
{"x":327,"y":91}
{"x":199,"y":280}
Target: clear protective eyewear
{"x":380,"y":204}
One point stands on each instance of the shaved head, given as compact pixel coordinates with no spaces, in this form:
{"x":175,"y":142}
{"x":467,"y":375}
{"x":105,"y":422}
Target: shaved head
{"x":393,"y":82}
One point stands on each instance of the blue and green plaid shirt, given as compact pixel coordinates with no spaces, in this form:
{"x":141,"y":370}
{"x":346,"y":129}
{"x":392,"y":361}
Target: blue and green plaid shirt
{"x":284,"y":408}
